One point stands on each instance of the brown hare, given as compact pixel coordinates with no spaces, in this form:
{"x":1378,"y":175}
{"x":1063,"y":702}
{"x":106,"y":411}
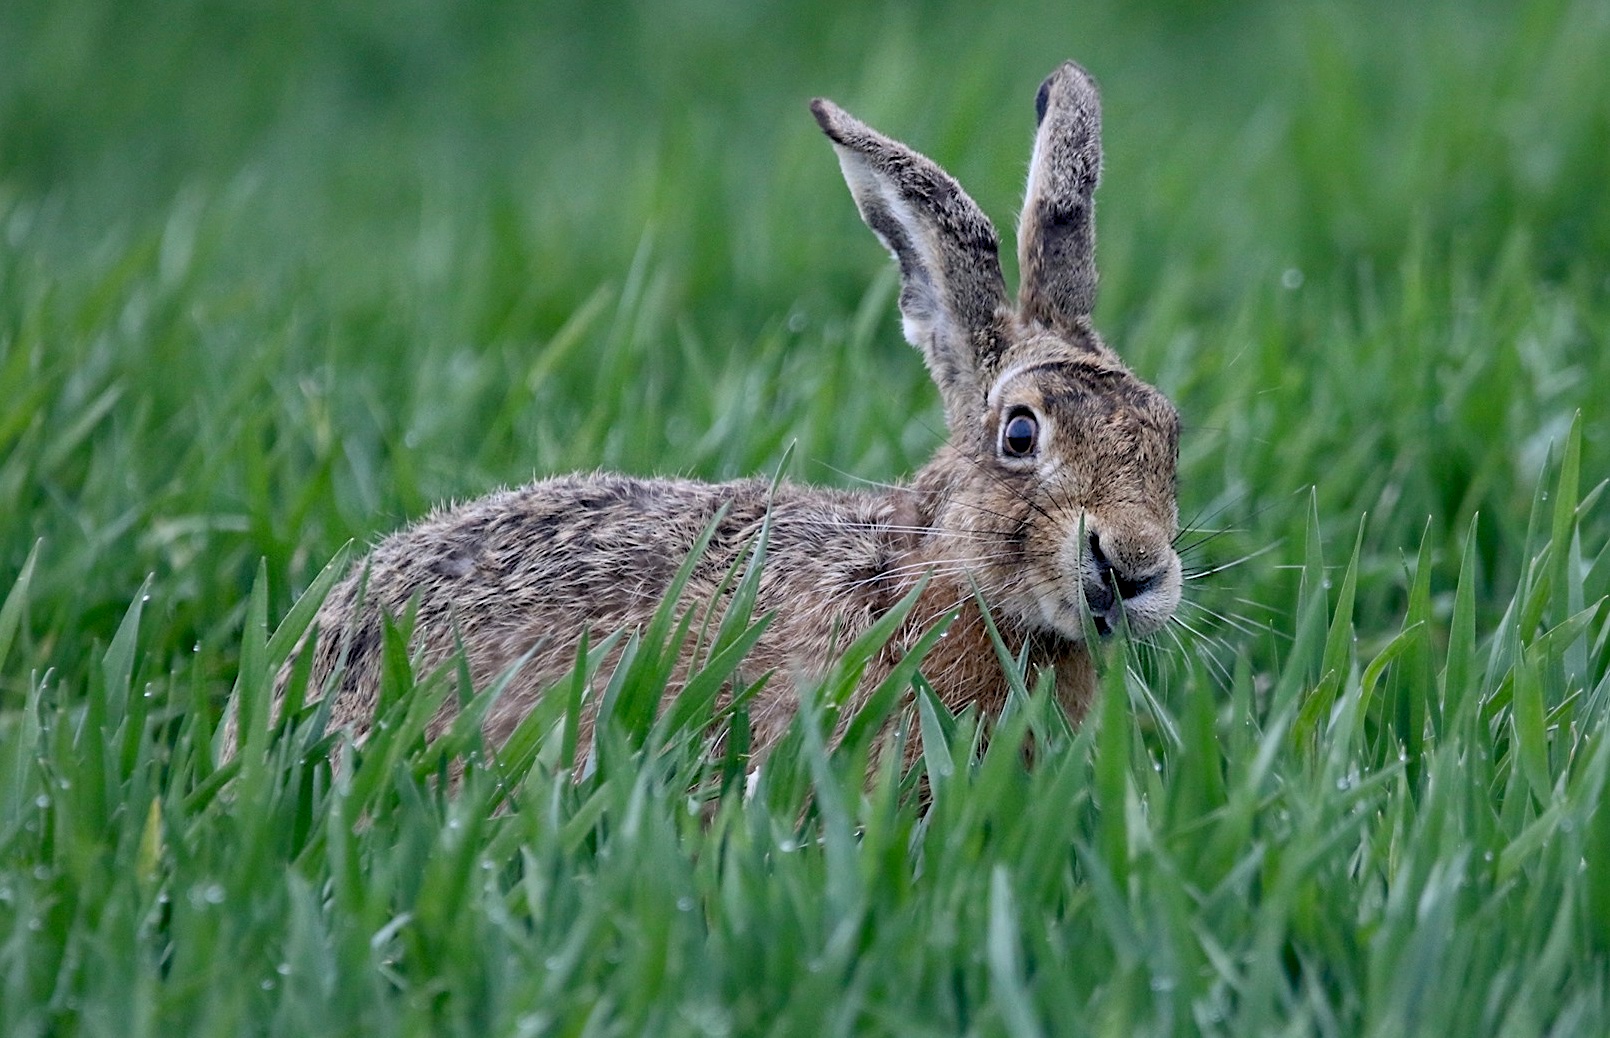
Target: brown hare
{"x":1053,"y":498}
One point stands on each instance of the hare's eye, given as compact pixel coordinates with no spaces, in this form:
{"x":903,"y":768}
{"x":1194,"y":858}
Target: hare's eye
{"x":1021,"y":434}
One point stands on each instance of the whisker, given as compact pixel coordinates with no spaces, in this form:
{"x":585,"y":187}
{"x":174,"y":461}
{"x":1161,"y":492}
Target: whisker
{"x":1199,"y":574}
{"x":1245,"y":625}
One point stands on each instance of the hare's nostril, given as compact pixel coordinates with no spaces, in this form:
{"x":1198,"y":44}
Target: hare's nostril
{"x":1098,"y":556}
{"x":1129,"y":587}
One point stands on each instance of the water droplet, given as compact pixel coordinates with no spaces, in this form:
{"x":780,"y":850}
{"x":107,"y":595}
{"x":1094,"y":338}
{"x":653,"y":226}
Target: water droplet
{"x":787,"y":846}
{"x":268,"y":983}
{"x":42,"y":801}
{"x":1291,"y":278}
{"x":1487,"y":856}
{"x":283,"y":969}
{"x":213,"y":894}
{"x":684,"y":904}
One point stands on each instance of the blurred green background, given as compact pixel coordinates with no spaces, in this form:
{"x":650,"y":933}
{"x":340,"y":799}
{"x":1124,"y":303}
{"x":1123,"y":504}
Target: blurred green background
{"x":278,"y":274}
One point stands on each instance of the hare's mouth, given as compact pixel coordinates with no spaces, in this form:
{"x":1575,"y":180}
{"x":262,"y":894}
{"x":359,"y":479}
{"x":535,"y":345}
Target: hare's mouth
{"x":1105,"y":610}
{"x":1075,"y":621}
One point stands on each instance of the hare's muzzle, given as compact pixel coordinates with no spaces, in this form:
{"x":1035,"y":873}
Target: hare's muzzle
{"x":1128,"y":579}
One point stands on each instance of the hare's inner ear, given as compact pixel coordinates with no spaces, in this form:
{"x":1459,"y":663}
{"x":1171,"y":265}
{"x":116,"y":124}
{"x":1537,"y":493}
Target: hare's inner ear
{"x":1057,"y":231}
{"x":952,"y":295}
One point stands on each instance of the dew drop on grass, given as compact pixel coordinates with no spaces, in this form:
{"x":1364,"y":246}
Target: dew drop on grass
{"x":1291,"y":279}
{"x":268,"y":983}
{"x":42,"y":801}
{"x":283,"y":969}
{"x":211,"y":894}
{"x":787,"y":846}
{"x":684,"y":904}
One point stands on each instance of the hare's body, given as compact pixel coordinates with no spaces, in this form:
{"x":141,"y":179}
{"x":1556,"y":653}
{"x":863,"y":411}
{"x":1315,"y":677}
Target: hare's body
{"x":1053,"y":499}
{"x":521,"y":571}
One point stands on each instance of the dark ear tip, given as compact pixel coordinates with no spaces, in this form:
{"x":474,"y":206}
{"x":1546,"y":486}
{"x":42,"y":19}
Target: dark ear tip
{"x":828,"y":117}
{"x":1042,"y":99}
{"x":1075,"y":81}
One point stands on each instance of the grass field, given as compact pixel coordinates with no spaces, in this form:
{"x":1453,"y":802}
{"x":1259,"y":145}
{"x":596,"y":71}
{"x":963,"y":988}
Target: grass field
{"x":278,"y":276}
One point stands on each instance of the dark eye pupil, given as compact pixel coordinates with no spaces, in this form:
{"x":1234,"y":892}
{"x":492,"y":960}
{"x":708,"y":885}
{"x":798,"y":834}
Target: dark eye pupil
{"x":1021,"y":432}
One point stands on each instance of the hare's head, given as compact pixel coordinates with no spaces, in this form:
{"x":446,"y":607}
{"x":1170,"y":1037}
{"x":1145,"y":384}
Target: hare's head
{"x":1057,"y":491}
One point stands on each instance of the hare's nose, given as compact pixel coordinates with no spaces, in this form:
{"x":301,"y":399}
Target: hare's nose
{"x":1125,"y":576}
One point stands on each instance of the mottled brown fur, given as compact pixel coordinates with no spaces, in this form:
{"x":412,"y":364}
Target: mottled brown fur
{"x":1078,"y":530}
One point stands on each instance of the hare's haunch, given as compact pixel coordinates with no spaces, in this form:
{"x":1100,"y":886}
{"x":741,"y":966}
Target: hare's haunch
{"x":1054,"y":496}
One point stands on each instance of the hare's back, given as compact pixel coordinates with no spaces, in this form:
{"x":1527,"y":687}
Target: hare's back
{"x":526,"y":571}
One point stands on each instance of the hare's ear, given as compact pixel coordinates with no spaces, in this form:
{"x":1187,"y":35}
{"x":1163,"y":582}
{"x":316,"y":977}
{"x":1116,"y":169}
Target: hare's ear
{"x":1057,"y":232}
{"x":952,"y":294}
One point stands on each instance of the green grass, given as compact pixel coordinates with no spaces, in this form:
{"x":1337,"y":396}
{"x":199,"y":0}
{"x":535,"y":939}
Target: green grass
{"x":277,"y":277}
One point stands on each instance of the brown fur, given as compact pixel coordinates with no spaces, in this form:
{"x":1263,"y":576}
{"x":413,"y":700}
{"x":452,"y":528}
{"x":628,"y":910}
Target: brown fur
{"x":1078,"y":531}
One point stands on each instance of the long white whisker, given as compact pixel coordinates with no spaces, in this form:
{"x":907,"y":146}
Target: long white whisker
{"x":1200,"y":574}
